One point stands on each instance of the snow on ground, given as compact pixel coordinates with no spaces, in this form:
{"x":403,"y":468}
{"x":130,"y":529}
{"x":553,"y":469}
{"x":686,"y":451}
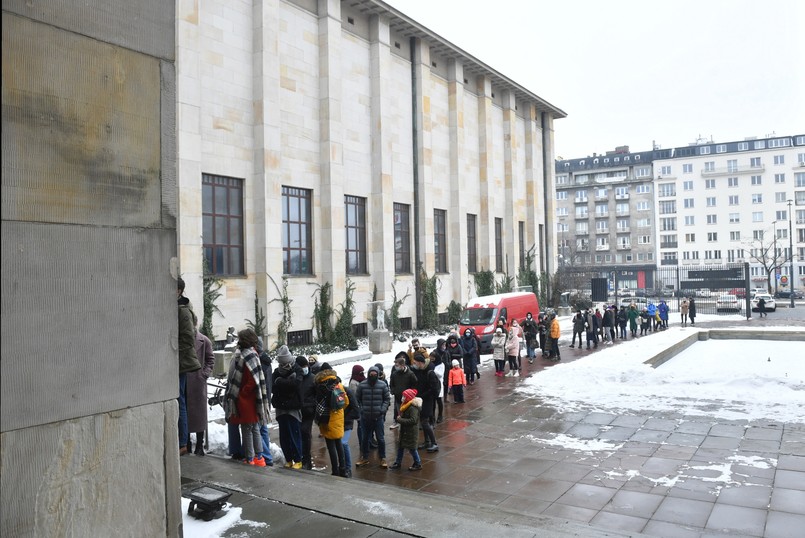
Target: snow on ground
{"x":727,"y":379}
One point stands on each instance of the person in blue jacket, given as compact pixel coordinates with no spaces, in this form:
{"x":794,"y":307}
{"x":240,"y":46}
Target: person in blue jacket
{"x":652,"y":312}
{"x":663,"y":308}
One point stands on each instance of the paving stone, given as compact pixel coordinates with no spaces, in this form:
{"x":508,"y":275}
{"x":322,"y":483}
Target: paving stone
{"x":634,"y":503}
{"x":724,"y":430}
{"x":629,"y":421}
{"x":587,"y":496}
{"x":749,"y":496}
{"x":611,"y":520}
{"x":759,"y":445}
{"x":788,"y":500}
{"x":685,"y":439}
{"x":789,"y":479}
{"x":791,"y":463}
{"x":784,"y":525}
{"x":766,"y":434}
{"x":573,"y":513}
{"x":670,"y":530}
{"x":737,"y":519}
{"x":684,"y":511}
{"x":601,"y":419}
{"x":696,"y":427}
{"x":544,"y":489}
{"x":654,"y":436}
{"x":712,"y":441}
{"x":661,"y":424}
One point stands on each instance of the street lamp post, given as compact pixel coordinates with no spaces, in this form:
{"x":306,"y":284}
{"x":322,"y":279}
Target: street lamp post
{"x":791,"y":253}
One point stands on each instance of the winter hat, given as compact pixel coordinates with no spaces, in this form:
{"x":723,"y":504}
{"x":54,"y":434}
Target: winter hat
{"x":420,"y":358}
{"x":357,"y":373}
{"x":284,"y":357}
{"x":498,"y":331}
{"x":379,"y":368}
{"x":302,"y":362}
{"x":455,"y":363}
{"x":408,"y":395}
{"x":326,"y":366}
{"x":373,"y":369}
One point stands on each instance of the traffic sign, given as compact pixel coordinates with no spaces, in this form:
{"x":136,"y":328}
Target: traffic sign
{"x":784,"y":280}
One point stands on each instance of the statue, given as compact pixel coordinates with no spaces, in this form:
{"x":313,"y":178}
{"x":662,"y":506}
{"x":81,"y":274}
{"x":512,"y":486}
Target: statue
{"x":380,"y":321}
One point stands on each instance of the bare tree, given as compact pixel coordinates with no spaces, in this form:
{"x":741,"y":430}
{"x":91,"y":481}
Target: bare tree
{"x":766,"y":253}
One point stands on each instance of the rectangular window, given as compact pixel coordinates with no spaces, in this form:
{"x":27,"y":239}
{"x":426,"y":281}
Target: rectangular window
{"x":688,"y":203}
{"x":779,"y":159}
{"x":743,"y":146}
{"x":690,"y":238}
{"x":643,"y":171}
{"x":644,"y":239}
{"x":711,"y":201}
{"x":709,"y":166}
{"x":402,"y":238}
{"x":687,"y":185}
{"x":757,"y":180}
{"x":601,"y":210}
{"x":601,"y":192}
{"x":668,"y":207}
{"x":623,"y":225}
{"x":779,"y":178}
{"x":757,"y":198}
{"x":687,"y":168}
{"x":704,"y":150}
{"x":690,"y":220}
{"x":472,"y":245}
{"x":668,"y":224}
{"x":601,"y":226}
{"x":732,"y":165}
{"x":754,"y":162}
{"x":582,"y":228}
{"x":561,"y":211}
{"x":666,"y":189}
{"x":297,"y":248}
{"x":642,"y":206}
{"x":581,"y":212}
{"x":801,"y":158}
{"x":620,"y":192}
{"x":355,"y":225}
{"x":622,"y":208}
{"x":498,"y":245}
{"x":760,"y":144}
{"x":735,"y":236}
{"x":779,"y":197}
{"x":561,"y":195}
{"x":709,"y":183}
{"x":665,"y":170}
{"x":644,"y":188}
{"x":732,"y":182}
{"x":721,"y":148}
{"x":222,"y":221}
{"x":712,"y":237}
{"x":757,"y":216}
{"x":581,"y":196}
{"x":779,"y":143}
{"x":440,"y":240}
{"x":644,"y":222}
{"x":602,"y":243}
{"x":561,"y":179}
{"x":712,"y":219}
{"x":733,"y":199}
{"x":735,"y":218}
{"x":799,"y":180}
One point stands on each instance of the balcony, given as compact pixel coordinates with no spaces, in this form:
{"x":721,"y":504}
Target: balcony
{"x":669,"y":262}
{"x":669,"y":245}
{"x":585,"y":248}
{"x":621,"y":196}
{"x":623,"y":229}
{"x":599,"y":215}
{"x":602,"y":230}
{"x":580,"y":200}
{"x":733,"y":170}
{"x":626,"y":246}
{"x":601,"y":247}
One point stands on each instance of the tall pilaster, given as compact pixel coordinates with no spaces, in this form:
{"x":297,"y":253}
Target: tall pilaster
{"x":381,"y":222}
{"x":486,"y":171}
{"x":424,"y":157}
{"x":266,"y":184}
{"x":333,"y":267}
{"x":513,"y":201}
{"x":458,"y":213}
{"x":550,"y":192}
{"x":534,"y":201}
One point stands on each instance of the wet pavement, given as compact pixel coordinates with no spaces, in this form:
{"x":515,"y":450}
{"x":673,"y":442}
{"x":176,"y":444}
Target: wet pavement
{"x":657,"y":474}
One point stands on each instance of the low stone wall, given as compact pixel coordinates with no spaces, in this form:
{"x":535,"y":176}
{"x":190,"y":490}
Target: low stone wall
{"x":723,"y":334}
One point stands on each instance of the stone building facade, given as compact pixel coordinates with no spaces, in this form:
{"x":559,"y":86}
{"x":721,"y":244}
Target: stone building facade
{"x":320,"y":141}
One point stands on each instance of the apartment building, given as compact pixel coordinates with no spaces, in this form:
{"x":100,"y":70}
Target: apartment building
{"x":326,"y":140}
{"x":704,"y":204}
{"x":731,"y":202}
{"x":605,"y":215}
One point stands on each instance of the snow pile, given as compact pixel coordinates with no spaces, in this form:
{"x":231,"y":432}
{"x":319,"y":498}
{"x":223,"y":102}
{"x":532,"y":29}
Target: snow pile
{"x":198,"y":528}
{"x":727,"y":379}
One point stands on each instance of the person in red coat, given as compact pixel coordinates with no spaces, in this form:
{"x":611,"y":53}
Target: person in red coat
{"x":246,"y":398}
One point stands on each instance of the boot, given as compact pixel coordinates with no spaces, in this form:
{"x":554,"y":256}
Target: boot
{"x":199,"y":444}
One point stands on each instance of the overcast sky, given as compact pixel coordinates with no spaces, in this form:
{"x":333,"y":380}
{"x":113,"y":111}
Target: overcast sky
{"x":629,"y":72}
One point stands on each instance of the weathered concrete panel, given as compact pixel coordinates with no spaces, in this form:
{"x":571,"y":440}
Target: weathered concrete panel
{"x":81,"y":123}
{"x":145,"y":26}
{"x":86,"y":477}
{"x":89,"y":321}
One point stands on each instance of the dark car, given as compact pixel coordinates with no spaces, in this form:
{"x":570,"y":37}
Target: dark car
{"x":786,"y":294}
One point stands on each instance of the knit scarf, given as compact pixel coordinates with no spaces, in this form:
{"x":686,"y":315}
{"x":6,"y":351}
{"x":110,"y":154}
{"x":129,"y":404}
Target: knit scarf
{"x":248,"y":359}
{"x":406,"y":405}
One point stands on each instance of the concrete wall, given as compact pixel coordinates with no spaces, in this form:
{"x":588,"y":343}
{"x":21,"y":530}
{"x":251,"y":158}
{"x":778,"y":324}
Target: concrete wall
{"x":89,"y":361}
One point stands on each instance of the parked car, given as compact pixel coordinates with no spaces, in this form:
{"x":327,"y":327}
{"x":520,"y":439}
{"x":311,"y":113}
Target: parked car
{"x":727,"y":303}
{"x":771,"y":306}
{"x":704,"y":292}
{"x":755,"y":291}
{"x":740,"y":293}
{"x":786,"y":294}
{"x":625,"y":292}
{"x":639,"y":302}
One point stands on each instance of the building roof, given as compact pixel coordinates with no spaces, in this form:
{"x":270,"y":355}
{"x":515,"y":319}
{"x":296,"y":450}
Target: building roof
{"x":408,"y":27}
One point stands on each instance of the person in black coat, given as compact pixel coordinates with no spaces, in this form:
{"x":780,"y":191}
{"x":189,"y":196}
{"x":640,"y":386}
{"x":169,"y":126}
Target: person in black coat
{"x":427,"y":387}
{"x":308,"y":391}
{"x":351,"y":414}
{"x":287,"y":401}
{"x":469,"y":347}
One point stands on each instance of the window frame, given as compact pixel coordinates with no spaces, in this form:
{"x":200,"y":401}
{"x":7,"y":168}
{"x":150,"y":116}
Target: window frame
{"x":402,"y":232}
{"x":225,"y":258}
{"x":440,"y":240}
{"x":304,"y":224}
{"x":355,"y":234}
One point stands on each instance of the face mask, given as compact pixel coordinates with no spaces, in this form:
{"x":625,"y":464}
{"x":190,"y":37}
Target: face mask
{"x":305,"y":371}
{"x":372,"y":379}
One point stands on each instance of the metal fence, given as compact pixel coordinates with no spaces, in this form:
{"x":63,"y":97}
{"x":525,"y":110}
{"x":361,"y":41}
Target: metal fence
{"x":707,"y":284}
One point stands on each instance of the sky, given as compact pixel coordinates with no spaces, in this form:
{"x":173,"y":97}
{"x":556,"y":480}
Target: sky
{"x":637,"y":73}
{"x":764,"y":380}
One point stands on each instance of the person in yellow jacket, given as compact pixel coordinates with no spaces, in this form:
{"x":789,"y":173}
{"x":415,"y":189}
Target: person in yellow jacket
{"x":555,"y":332}
{"x":330,"y":417}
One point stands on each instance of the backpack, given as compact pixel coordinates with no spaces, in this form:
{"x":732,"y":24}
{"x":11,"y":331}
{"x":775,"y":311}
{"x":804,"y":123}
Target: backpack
{"x":338,"y":398}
